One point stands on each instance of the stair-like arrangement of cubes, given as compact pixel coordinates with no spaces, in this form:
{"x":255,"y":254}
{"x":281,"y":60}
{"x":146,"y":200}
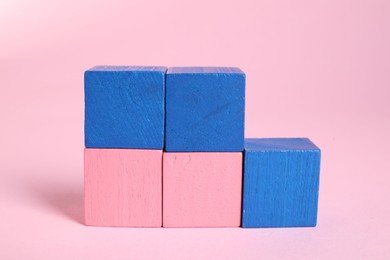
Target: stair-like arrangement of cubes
{"x":165,"y":147}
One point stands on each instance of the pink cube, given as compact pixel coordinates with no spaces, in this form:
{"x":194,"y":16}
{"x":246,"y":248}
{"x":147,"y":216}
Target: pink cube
{"x":123,"y":187}
{"x":202,"y":189}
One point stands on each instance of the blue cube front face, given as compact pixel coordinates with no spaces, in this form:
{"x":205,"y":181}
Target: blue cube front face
{"x":281,"y":182}
{"x":205,"y":109}
{"x":124,"y":107}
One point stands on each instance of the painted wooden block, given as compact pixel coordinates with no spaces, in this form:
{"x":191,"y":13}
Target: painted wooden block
{"x":202,"y":189}
{"x":281,"y":182}
{"x":205,"y":109}
{"x":123,"y":187}
{"x":124,"y":107}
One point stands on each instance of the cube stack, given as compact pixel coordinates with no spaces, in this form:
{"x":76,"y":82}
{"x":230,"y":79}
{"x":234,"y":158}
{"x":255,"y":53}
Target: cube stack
{"x":124,"y":140}
{"x":165,"y":147}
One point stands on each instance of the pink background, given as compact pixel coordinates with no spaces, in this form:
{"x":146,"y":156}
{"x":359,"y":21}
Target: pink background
{"x":314,"y":68}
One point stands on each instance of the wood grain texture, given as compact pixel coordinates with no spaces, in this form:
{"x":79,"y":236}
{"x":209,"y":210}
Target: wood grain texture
{"x":281,"y":182}
{"x":205,"y":109}
{"x":123,"y":187}
{"x":124,"y":107}
{"x":202,"y":189}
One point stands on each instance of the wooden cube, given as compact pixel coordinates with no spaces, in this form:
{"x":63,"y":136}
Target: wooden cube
{"x":123,"y":187}
{"x":281,"y":182}
{"x":124,"y":107}
{"x":205,"y":109}
{"x":202,"y":189}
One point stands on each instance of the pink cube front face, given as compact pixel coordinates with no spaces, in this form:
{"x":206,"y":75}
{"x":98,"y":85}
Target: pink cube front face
{"x":123,"y":187}
{"x":202,"y":189}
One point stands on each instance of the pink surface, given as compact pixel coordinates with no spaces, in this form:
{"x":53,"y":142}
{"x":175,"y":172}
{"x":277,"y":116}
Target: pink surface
{"x":314,"y":68}
{"x":123,"y":187}
{"x":202,"y":189}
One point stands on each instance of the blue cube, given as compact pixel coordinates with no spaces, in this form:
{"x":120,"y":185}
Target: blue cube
{"x":124,"y":107}
{"x":281,"y":182}
{"x":205,"y":109}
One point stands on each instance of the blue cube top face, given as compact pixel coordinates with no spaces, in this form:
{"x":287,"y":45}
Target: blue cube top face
{"x":281,"y":183}
{"x":160,"y":69}
{"x":124,"y":107}
{"x":205,"y":109}
{"x":205,"y":70}
{"x":279,"y":144}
